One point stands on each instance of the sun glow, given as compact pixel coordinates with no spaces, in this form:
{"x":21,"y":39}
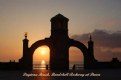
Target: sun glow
{"x":43,"y":50}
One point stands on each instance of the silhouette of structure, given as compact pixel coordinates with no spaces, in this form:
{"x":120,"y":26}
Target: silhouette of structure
{"x":59,"y":44}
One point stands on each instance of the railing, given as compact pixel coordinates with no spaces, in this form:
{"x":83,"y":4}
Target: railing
{"x":46,"y":66}
{"x":40,"y":66}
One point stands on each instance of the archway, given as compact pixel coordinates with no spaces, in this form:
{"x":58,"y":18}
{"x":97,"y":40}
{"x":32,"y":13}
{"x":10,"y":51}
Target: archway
{"x":41,"y":57}
{"x":84,"y":49}
{"x":76,"y":58}
{"x":32,"y":49}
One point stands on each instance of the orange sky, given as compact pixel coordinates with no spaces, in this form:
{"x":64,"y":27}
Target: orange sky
{"x":85,"y":16}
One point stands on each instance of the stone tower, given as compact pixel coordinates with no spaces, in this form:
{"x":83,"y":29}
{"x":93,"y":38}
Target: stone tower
{"x":25,"y":45}
{"x":59,"y":38}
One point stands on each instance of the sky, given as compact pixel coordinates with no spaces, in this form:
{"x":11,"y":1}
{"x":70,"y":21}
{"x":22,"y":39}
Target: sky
{"x":101,"y":18}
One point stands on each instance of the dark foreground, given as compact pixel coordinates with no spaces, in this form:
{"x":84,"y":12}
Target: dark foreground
{"x":102,"y":74}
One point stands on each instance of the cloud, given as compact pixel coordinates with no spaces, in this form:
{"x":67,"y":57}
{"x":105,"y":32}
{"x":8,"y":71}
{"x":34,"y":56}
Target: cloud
{"x":102,"y":38}
{"x":105,"y":39}
{"x":106,"y":44}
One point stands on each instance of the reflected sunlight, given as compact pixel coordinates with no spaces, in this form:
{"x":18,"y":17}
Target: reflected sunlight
{"x":43,"y":62}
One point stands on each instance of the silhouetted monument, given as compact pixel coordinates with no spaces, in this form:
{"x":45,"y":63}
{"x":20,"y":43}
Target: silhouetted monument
{"x":59,"y":44}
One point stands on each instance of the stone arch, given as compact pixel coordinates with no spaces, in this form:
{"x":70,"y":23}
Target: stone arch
{"x":79,"y":45}
{"x":34,"y":46}
{"x":38,"y":44}
{"x":83,"y":49}
{"x":41,"y":57}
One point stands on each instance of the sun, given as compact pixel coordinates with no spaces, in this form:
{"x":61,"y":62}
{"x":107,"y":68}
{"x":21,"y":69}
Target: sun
{"x":43,"y":50}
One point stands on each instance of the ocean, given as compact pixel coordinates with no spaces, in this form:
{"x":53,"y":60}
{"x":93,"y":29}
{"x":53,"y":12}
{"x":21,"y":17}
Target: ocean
{"x":38,"y":65}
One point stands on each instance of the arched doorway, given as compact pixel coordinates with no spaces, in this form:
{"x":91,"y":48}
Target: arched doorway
{"x":34,"y":46}
{"x":84,"y":49}
{"x":76,"y":58}
{"x":41,"y":57}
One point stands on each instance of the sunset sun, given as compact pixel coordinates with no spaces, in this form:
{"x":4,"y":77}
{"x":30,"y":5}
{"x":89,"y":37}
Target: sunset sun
{"x":44,"y":50}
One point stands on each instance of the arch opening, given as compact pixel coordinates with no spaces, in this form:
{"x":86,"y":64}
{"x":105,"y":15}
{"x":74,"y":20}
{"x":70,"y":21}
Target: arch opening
{"x":41,"y":57}
{"x":76,"y":58}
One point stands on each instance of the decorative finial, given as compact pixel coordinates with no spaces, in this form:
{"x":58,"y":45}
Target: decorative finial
{"x":25,"y":34}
